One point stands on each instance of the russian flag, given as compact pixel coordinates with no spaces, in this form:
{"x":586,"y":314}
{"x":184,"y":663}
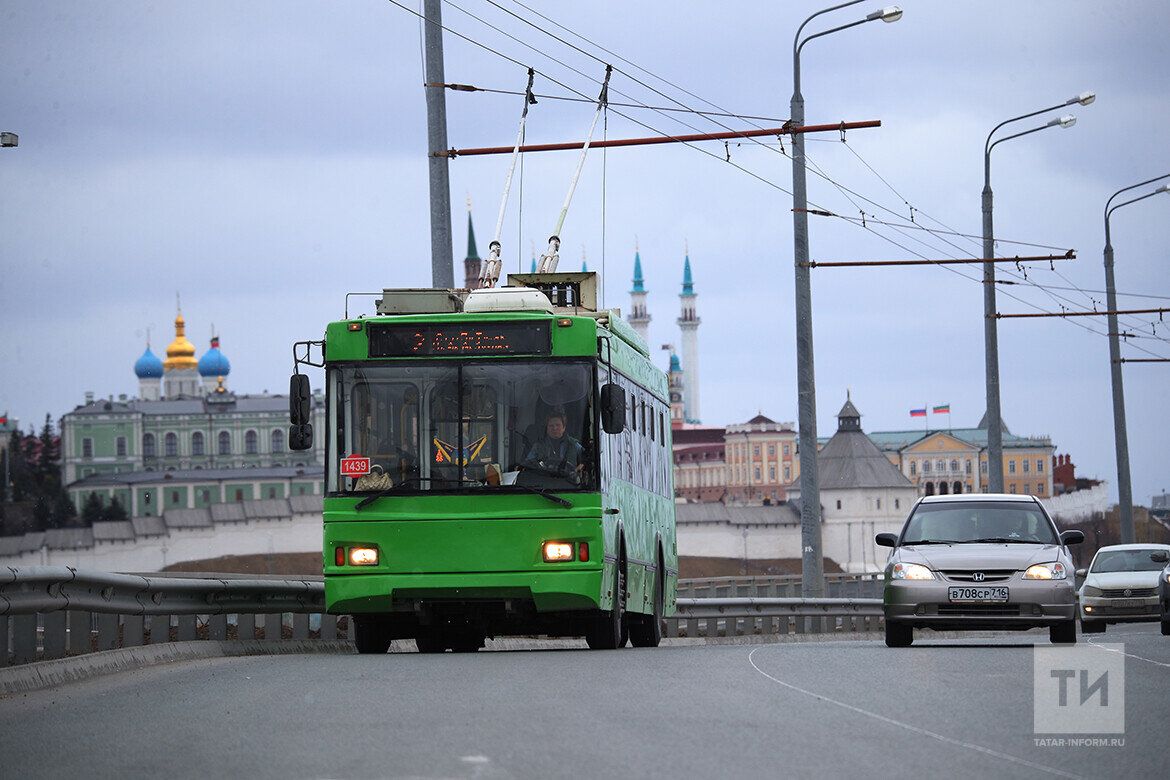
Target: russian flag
{"x":918,"y":412}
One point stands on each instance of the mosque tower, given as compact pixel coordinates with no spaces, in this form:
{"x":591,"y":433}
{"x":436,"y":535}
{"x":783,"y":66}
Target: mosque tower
{"x":149,"y":370}
{"x":688,"y":322}
{"x":639,"y":314}
{"x":676,"y":382}
{"x":472,"y":264}
{"x":179,"y":375}
{"x":213,"y":367}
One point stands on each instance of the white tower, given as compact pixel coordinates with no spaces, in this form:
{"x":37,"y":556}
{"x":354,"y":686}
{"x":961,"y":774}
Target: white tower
{"x":688,"y":322}
{"x":639,"y":314}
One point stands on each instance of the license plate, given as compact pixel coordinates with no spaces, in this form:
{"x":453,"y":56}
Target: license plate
{"x":978,"y":594}
{"x":1126,"y":603}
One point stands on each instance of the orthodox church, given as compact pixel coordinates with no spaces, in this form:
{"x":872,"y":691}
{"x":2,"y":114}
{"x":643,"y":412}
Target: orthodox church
{"x":209,"y":444}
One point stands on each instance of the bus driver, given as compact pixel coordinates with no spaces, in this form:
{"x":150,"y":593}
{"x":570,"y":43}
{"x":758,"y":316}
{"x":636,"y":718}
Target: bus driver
{"x":556,"y":452}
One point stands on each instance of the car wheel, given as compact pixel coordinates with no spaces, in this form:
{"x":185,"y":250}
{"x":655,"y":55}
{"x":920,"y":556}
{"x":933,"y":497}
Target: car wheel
{"x":1063,"y":633}
{"x":1166,"y":628}
{"x":608,"y":631}
{"x":646,"y":630}
{"x":899,"y":634}
{"x":371,"y":634}
{"x":1092,"y":626}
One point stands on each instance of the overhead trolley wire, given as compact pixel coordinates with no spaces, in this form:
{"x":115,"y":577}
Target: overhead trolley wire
{"x":750,"y":173}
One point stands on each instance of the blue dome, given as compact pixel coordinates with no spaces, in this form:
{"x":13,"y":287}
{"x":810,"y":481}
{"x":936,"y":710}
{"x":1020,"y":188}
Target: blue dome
{"x":148,"y":366}
{"x":214,"y":362}
{"x":674,"y":363}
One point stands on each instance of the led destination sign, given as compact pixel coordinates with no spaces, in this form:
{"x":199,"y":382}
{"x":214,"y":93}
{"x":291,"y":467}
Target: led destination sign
{"x":464,"y":338}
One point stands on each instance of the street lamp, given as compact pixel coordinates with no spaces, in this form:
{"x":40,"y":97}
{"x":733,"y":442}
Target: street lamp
{"x":990,"y":332}
{"x":9,"y":139}
{"x":813,"y":574}
{"x":1120,"y":437}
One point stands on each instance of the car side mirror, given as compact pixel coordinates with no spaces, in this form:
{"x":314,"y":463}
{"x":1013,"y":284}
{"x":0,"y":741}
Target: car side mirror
{"x":1072,"y":537}
{"x":886,"y":540}
{"x":613,"y":408}
{"x":1160,"y":556}
{"x":1082,"y":573}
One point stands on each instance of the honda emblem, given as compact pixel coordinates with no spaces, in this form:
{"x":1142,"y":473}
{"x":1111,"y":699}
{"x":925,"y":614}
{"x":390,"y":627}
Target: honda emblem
{"x":978,"y":576}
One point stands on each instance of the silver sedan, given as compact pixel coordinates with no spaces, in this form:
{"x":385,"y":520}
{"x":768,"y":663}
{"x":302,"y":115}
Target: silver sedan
{"x":1122,"y":586}
{"x":979,"y":562}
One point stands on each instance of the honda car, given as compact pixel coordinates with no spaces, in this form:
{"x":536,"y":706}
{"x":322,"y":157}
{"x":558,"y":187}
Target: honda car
{"x":980,"y":561}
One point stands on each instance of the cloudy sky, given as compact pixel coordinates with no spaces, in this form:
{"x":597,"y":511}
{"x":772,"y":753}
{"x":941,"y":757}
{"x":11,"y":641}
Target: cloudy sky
{"x":264,"y":158}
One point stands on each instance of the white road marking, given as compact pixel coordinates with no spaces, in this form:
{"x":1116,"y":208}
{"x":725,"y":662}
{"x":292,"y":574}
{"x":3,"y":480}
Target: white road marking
{"x":914,"y":729}
{"x":1128,"y":655}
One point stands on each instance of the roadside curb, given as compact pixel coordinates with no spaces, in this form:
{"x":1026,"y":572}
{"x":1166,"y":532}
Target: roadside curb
{"x":47,"y":674}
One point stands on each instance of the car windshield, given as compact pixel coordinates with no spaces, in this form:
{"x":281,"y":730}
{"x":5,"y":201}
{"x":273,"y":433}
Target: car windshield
{"x":979,"y":521}
{"x":481,"y":426}
{"x":1126,"y":560}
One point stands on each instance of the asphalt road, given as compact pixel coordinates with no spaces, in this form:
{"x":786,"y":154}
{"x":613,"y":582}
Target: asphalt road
{"x":961,"y":708}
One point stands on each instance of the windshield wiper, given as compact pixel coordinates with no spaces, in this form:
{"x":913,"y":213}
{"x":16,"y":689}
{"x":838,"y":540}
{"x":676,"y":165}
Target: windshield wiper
{"x":397,"y":489}
{"x":1003,"y":540}
{"x":547,"y":494}
{"x":931,"y":541}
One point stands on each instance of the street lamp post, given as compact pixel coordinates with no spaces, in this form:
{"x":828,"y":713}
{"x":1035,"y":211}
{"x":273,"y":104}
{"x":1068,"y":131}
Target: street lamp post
{"x":813,"y":574}
{"x":1120,"y":437}
{"x":990,"y":332}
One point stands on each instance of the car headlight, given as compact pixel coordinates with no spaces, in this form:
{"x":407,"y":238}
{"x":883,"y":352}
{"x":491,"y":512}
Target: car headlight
{"x":911,"y":571}
{"x":1089,"y":590}
{"x":1046,"y":571}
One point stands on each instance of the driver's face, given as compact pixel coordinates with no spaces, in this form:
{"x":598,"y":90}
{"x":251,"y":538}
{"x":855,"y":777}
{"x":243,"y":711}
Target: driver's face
{"x":555,"y":428}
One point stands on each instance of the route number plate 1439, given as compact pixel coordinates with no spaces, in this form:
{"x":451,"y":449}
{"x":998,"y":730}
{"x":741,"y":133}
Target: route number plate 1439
{"x":998,"y":594}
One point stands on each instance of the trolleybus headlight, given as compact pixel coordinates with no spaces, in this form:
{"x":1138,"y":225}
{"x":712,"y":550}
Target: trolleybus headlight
{"x":363,"y":556}
{"x":558,"y":551}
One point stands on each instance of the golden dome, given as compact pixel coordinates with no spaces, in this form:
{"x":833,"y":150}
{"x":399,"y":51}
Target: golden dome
{"x":180,"y":352}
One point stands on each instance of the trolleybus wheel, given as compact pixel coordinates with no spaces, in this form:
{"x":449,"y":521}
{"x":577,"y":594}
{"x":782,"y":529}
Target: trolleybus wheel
{"x":429,"y":642}
{"x":608,"y":631}
{"x":646,"y":630}
{"x":371,"y":633}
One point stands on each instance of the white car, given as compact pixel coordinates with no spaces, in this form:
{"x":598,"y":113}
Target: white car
{"x":1121,"y":586}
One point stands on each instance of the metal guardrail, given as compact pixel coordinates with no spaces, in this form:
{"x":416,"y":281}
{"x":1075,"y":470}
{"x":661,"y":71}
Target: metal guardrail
{"x":49,"y":612}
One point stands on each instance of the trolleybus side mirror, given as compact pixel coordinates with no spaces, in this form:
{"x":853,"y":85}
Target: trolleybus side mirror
{"x":300,"y":433}
{"x":886,"y":540}
{"x":613,"y":408}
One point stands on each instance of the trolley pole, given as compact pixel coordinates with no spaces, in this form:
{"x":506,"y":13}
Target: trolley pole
{"x":1120,"y":435}
{"x":442,"y":265}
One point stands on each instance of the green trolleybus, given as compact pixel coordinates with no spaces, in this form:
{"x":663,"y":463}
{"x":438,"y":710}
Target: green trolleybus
{"x":497,"y":463}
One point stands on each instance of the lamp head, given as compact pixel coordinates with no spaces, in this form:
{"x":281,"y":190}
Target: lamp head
{"x":1163,"y":188}
{"x":1085,"y":98}
{"x":1067,"y":120}
{"x":9,"y":139}
{"x":890,"y":13}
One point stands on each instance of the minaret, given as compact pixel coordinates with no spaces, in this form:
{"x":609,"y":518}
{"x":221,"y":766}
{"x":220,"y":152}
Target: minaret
{"x":688,"y":322}
{"x":676,"y":382}
{"x":639,"y":315}
{"x":472,"y":263}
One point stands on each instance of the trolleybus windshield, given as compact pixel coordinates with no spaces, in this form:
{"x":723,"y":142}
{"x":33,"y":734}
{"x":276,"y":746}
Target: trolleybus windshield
{"x":498,"y":425}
